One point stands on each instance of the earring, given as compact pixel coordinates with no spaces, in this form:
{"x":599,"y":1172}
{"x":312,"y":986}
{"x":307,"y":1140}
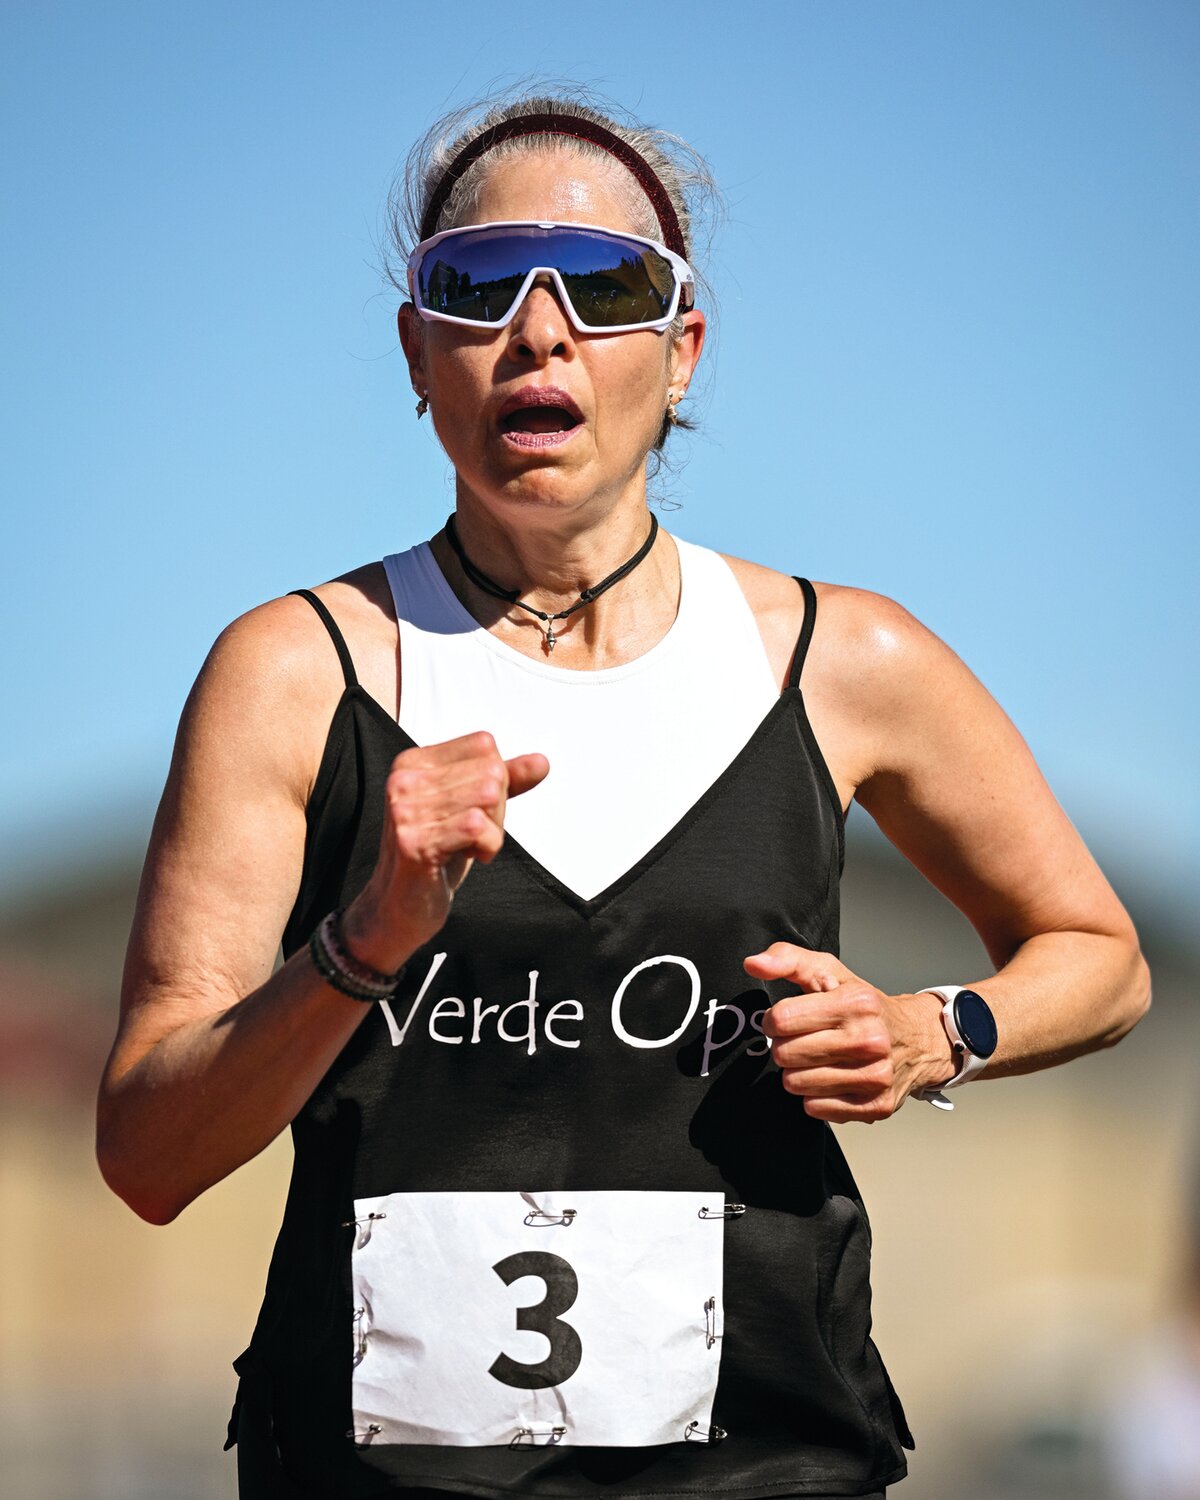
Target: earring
{"x":422,"y":407}
{"x":672,"y":401}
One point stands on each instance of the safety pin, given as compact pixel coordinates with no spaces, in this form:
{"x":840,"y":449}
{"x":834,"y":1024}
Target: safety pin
{"x":363,"y":1438}
{"x":710,"y":1323}
{"x":695,"y":1433}
{"x":364,"y":1236}
{"x":552,"y":1435}
{"x":566,"y":1218}
{"x":360,"y":1351}
{"x":730,"y":1211}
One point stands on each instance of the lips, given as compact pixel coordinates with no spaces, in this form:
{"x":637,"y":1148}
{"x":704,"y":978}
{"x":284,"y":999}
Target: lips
{"x":539,"y":414}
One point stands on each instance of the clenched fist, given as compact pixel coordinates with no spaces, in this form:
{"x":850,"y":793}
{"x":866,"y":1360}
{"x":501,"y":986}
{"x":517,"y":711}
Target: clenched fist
{"x":444,"y":809}
{"x":851,"y":1051}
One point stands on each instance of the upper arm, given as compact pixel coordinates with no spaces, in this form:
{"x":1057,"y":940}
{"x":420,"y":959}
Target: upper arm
{"x":948,"y":778}
{"x":226,"y":851}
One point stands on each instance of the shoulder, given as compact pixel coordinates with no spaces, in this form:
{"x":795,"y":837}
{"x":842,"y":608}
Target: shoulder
{"x":875,"y":647}
{"x":862,"y":641}
{"x":272,"y":681}
{"x":283,"y":646}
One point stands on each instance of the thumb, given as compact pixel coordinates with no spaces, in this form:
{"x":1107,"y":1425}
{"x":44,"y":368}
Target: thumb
{"x":525,"y":772}
{"x":810,"y":970}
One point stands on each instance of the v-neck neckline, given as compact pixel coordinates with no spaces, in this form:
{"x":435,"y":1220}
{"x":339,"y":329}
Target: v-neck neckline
{"x":589,"y":906}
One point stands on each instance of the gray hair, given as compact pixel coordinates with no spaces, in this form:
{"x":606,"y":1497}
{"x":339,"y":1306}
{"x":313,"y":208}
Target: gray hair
{"x":683,"y":172}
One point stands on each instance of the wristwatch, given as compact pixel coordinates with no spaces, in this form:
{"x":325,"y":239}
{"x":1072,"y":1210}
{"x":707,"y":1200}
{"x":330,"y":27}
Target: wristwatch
{"x":971,"y":1027}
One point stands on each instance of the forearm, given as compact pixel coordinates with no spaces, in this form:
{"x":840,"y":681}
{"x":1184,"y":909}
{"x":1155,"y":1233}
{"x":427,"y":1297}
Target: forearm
{"x":1061,"y":995}
{"x":855,"y":1053}
{"x":214,"y":1091}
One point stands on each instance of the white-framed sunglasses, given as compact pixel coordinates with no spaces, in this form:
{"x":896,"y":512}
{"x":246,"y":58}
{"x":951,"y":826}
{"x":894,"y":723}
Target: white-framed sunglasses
{"x":608,"y":281}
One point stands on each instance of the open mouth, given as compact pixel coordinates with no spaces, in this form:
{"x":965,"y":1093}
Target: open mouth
{"x":538,"y":419}
{"x":539,"y":416}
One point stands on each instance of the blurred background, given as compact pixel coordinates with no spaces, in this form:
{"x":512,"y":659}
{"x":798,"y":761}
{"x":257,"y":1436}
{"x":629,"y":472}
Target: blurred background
{"x":956,"y":362}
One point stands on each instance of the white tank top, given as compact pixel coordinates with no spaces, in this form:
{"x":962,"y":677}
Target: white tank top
{"x":631,"y":748}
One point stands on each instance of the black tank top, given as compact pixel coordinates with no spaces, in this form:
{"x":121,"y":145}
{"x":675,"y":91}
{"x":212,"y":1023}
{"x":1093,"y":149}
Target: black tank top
{"x":590,"y":1073}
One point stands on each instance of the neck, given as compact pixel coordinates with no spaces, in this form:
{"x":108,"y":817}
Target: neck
{"x":549,"y":558}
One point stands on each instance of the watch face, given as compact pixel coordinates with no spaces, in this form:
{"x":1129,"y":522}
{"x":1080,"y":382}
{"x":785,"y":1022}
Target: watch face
{"x":975,"y":1022}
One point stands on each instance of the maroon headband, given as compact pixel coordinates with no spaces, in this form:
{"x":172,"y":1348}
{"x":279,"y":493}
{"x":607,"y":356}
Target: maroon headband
{"x":570,"y":125}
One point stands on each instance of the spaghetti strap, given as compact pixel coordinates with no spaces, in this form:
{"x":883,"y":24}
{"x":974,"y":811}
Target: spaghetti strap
{"x":806,"y":630}
{"x":336,"y":636}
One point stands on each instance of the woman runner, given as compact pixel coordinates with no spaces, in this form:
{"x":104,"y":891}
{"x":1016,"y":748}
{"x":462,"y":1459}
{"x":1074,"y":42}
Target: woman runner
{"x":547,"y":813}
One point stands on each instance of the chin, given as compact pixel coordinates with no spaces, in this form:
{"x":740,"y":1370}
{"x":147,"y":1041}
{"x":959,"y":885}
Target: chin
{"x":545,"y":483}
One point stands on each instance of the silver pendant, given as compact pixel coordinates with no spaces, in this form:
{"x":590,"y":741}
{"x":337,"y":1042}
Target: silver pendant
{"x":551,"y":638}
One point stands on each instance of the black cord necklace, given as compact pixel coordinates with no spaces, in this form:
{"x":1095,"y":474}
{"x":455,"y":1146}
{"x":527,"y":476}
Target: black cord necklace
{"x":490,"y":586}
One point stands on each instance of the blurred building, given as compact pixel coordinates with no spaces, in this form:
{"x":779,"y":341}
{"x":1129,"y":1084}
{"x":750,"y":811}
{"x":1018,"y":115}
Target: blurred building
{"x":1026,"y":1246}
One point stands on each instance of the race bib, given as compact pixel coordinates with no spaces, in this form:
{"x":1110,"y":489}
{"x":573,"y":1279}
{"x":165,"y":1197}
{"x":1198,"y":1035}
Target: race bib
{"x":536,"y":1318}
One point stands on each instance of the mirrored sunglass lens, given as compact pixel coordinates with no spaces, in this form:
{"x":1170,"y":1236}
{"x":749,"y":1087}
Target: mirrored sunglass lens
{"x":475,"y":276}
{"x":610,"y":281}
{"x":613,"y":281}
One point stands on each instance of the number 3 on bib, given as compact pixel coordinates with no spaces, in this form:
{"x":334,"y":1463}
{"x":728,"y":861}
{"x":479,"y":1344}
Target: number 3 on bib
{"x":562,"y":1287}
{"x":460,"y":1335}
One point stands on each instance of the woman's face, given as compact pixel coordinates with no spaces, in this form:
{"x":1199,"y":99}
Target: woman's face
{"x":591,"y":454}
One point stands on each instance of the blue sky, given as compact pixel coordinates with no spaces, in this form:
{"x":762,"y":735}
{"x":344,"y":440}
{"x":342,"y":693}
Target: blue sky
{"x":957,"y":358}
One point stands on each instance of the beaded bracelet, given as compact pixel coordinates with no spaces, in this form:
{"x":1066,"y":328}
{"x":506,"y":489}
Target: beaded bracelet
{"x":338,"y":967}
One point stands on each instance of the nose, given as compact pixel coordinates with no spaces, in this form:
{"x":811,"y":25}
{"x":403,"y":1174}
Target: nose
{"x":540,"y":329}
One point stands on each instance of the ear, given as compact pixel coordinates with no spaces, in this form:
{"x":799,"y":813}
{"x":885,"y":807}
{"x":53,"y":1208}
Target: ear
{"x":412,"y":341}
{"x":685,"y":353}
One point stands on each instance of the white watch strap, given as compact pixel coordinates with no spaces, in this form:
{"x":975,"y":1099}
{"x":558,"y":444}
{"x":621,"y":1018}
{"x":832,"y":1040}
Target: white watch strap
{"x":968,"y":1063}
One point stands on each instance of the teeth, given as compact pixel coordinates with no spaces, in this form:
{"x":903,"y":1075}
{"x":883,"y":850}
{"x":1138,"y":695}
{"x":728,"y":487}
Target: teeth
{"x":539,"y":419}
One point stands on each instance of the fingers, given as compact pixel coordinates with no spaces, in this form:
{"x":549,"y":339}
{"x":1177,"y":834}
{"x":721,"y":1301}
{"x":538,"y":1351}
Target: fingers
{"x":831,"y":1043}
{"x":522,"y":772}
{"x":420,"y":795}
{"x":810,"y":970}
{"x":853,"y":1011}
{"x":857,"y":1089}
{"x":444,"y":809}
{"x":843,"y":1045}
{"x":465,"y":747}
{"x":525,"y":772}
{"x":467,"y":767}
{"x":447,"y":801}
{"x":845,"y":1109}
{"x":472,"y":831}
